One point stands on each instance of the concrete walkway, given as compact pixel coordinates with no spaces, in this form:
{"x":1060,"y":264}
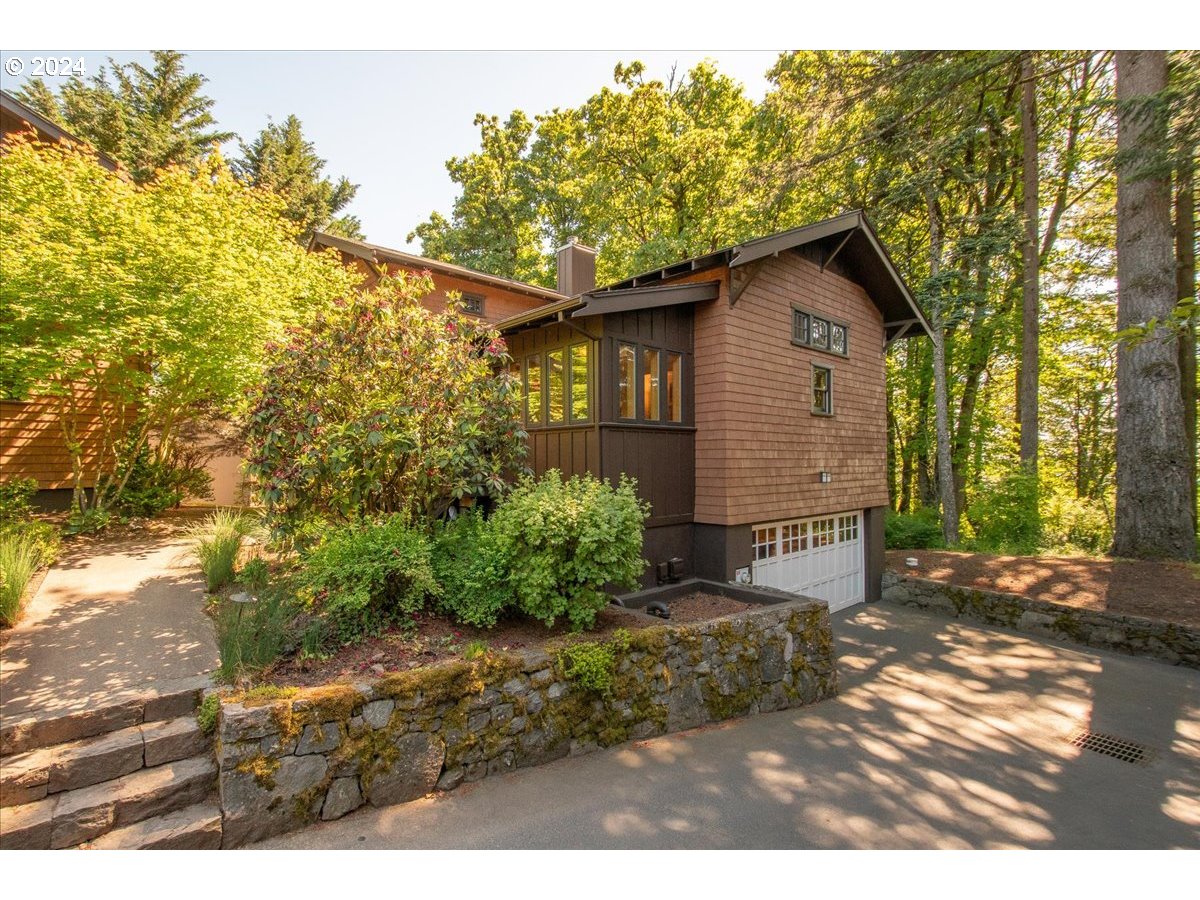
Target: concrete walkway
{"x":945,"y":735}
{"x":114,"y":615}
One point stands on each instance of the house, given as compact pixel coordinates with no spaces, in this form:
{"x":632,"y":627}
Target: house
{"x":743,"y":389}
{"x":31,"y":440}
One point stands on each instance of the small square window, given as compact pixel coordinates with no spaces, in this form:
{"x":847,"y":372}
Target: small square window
{"x":837,"y":339}
{"x":822,"y":386}
{"x":473,"y":304}
{"x":820,"y":334}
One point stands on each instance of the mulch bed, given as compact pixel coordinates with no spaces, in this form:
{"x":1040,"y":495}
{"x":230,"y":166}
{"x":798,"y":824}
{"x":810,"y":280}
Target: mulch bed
{"x":434,"y":638}
{"x":1165,"y":591}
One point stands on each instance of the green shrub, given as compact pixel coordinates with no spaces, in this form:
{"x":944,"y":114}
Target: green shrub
{"x":364,"y":577}
{"x":206,"y":715}
{"x":475,"y":650}
{"x":18,"y":562}
{"x":471,"y":571}
{"x":1075,"y":524}
{"x":216,"y":543}
{"x":88,"y":521}
{"x":45,"y":538}
{"x":920,"y":530}
{"x":252,"y":635}
{"x":255,"y":575}
{"x":593,"y":664}
{"x":562,"y":541}
{"x":1004,"y":515}
{"x":16,"y":499}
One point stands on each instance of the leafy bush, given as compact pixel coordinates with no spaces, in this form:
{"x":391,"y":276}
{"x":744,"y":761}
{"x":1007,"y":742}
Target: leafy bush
{"x":152,"y":487}
{"x":18,"y":561}
{"x":45,"y":538}
{"x":88,"y":521}
{"x":217,"y":542}
{"x":592,"y":664}
{"x":1076,"y":523}
{"x":206,"y":715}
{"x":252,"y":635}
{"x":255,"y":575}
{"x":364,"y":577}
{"x":1005,"y":517}
{"x":920,"y":530}
{"x":562,"y":541}
{"x":471,"y":570}
{"x":16,"y":499}
{"x":383,"y":407}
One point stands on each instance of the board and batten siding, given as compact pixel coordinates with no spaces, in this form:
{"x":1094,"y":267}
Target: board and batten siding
{"x":759,"y":447}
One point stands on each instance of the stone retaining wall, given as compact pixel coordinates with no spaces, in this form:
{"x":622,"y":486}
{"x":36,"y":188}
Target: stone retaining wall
{"x":323,"y":752}
{"x":1177,"y":644}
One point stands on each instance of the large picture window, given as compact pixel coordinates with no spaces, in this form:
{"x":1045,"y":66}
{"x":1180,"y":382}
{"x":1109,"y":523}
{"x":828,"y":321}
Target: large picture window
{"x":558,"y":386}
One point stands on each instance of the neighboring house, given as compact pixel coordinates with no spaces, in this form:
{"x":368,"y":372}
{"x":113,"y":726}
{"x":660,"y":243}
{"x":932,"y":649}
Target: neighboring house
{"x":31,"y":440}
{"x":744,"y":390}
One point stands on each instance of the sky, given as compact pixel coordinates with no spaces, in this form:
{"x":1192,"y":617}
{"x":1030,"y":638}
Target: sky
{"x":389,"y":120}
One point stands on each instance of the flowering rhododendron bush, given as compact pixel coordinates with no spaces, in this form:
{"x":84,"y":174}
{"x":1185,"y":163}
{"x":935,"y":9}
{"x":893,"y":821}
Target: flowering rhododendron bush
{"x":381,"y":406}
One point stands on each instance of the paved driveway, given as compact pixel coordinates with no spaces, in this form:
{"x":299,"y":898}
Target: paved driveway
{"x":944,"y":735}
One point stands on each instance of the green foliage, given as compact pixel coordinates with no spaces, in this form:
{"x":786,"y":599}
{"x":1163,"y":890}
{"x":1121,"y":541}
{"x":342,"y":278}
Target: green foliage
{"x":19,"y":559}
{"x":475,"y":650}
{"x":146,"y":118}
{"x":593,"y":664}
{"x":380,"y":407}
{"x":151,"y":486}
{"x":562,"y":541}
{"x":920,"y":530}
{"x":281,"y":160}
{"x":157,"y":299}
{"x":252,"y":635}
{"x":16,"y":499}
{"x":362,"y":577}
{"x":1005,"y":516}
{"x":206,"y":715}
{"x":472,"y":572}
{"x":1075,"y":524}
{"x":216,"y":543}
{"x":255,"y":575}
{"x":88,"y":521}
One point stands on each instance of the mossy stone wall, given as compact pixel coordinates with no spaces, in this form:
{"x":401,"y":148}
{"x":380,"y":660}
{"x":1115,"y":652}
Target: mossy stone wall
{"x":1167,"y":641}
{"x":315,"y":753}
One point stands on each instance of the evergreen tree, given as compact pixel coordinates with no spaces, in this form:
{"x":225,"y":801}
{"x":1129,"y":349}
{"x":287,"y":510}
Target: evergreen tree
{"x":281,"y":160}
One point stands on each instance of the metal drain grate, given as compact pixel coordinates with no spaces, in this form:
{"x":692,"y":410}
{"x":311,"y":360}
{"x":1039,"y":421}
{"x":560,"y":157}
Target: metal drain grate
{"x":1110,"y":745}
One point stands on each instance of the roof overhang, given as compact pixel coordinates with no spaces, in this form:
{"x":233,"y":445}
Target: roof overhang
{"x":597,"y":303}
{"x":378,"y":256}
{"x":850,"y":238}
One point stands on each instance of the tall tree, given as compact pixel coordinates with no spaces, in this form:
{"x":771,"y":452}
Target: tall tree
{"x":1155,"y":516}
{"x":1030,"y":267}
{"x":146,"y":118}
{"x":281,"y":160}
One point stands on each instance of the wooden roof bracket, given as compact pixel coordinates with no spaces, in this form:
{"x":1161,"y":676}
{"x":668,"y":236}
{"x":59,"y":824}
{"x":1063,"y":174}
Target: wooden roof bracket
{"x":826,"y":260}
{"x":904,"y":327}
{"x":740,"y":277}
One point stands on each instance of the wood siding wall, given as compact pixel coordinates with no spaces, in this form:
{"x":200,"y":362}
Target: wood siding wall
{"x":32,"y":443}
{"x":759,"y":448}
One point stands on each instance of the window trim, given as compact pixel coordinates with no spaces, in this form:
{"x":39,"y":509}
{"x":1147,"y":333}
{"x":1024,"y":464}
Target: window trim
{"x":664,"y":354}
{"x":542,"y":358}
{"x":807,"y":342}
{"x":816,"y":411}
{"x":469,"y":298}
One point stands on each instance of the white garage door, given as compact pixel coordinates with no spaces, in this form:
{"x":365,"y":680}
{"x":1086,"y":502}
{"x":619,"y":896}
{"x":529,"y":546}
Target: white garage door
{"x":820,"y":557}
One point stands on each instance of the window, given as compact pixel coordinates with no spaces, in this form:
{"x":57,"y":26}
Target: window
{"x":514,"y":369}
{"x":650,"y":392}
{"x":579,"y":382}
{"x":533,"y":390}
{"x":764,"y":543}
{"x":822,"y":383}
{"x":847,"y":528}
{"x":473,"y":304}
{"x":812,"y":331}
{"x":556,"y":381}
{"x":795,"y":537}
{"x":627,"y":381}
{"x":822,"y":532}
{"x":674,"y":387}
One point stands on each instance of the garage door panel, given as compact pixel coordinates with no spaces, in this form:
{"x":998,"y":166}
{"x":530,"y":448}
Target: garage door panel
{"x":819,"y":557}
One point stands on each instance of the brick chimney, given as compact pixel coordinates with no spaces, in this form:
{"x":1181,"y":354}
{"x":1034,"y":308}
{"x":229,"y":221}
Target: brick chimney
{"x":576,"y":268}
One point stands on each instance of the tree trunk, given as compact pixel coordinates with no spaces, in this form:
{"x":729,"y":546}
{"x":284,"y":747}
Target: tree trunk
{"x":1154,"y":516}
{"x":1030,"y":305}
{"x":941,"y":392}
{"x":1185,"y":276}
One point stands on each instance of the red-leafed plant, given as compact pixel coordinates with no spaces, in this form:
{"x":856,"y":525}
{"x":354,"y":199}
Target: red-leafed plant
{"x":381,"y":407}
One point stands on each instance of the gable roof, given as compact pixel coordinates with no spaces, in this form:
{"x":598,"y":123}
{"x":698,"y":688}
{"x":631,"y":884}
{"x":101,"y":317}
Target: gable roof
{"x":375,"y":254}
{"x":849,"y":236}
{"x":13,"y":109}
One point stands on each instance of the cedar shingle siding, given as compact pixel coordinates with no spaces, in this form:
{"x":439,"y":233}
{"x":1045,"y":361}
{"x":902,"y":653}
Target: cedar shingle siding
{"x":758,"y":445}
